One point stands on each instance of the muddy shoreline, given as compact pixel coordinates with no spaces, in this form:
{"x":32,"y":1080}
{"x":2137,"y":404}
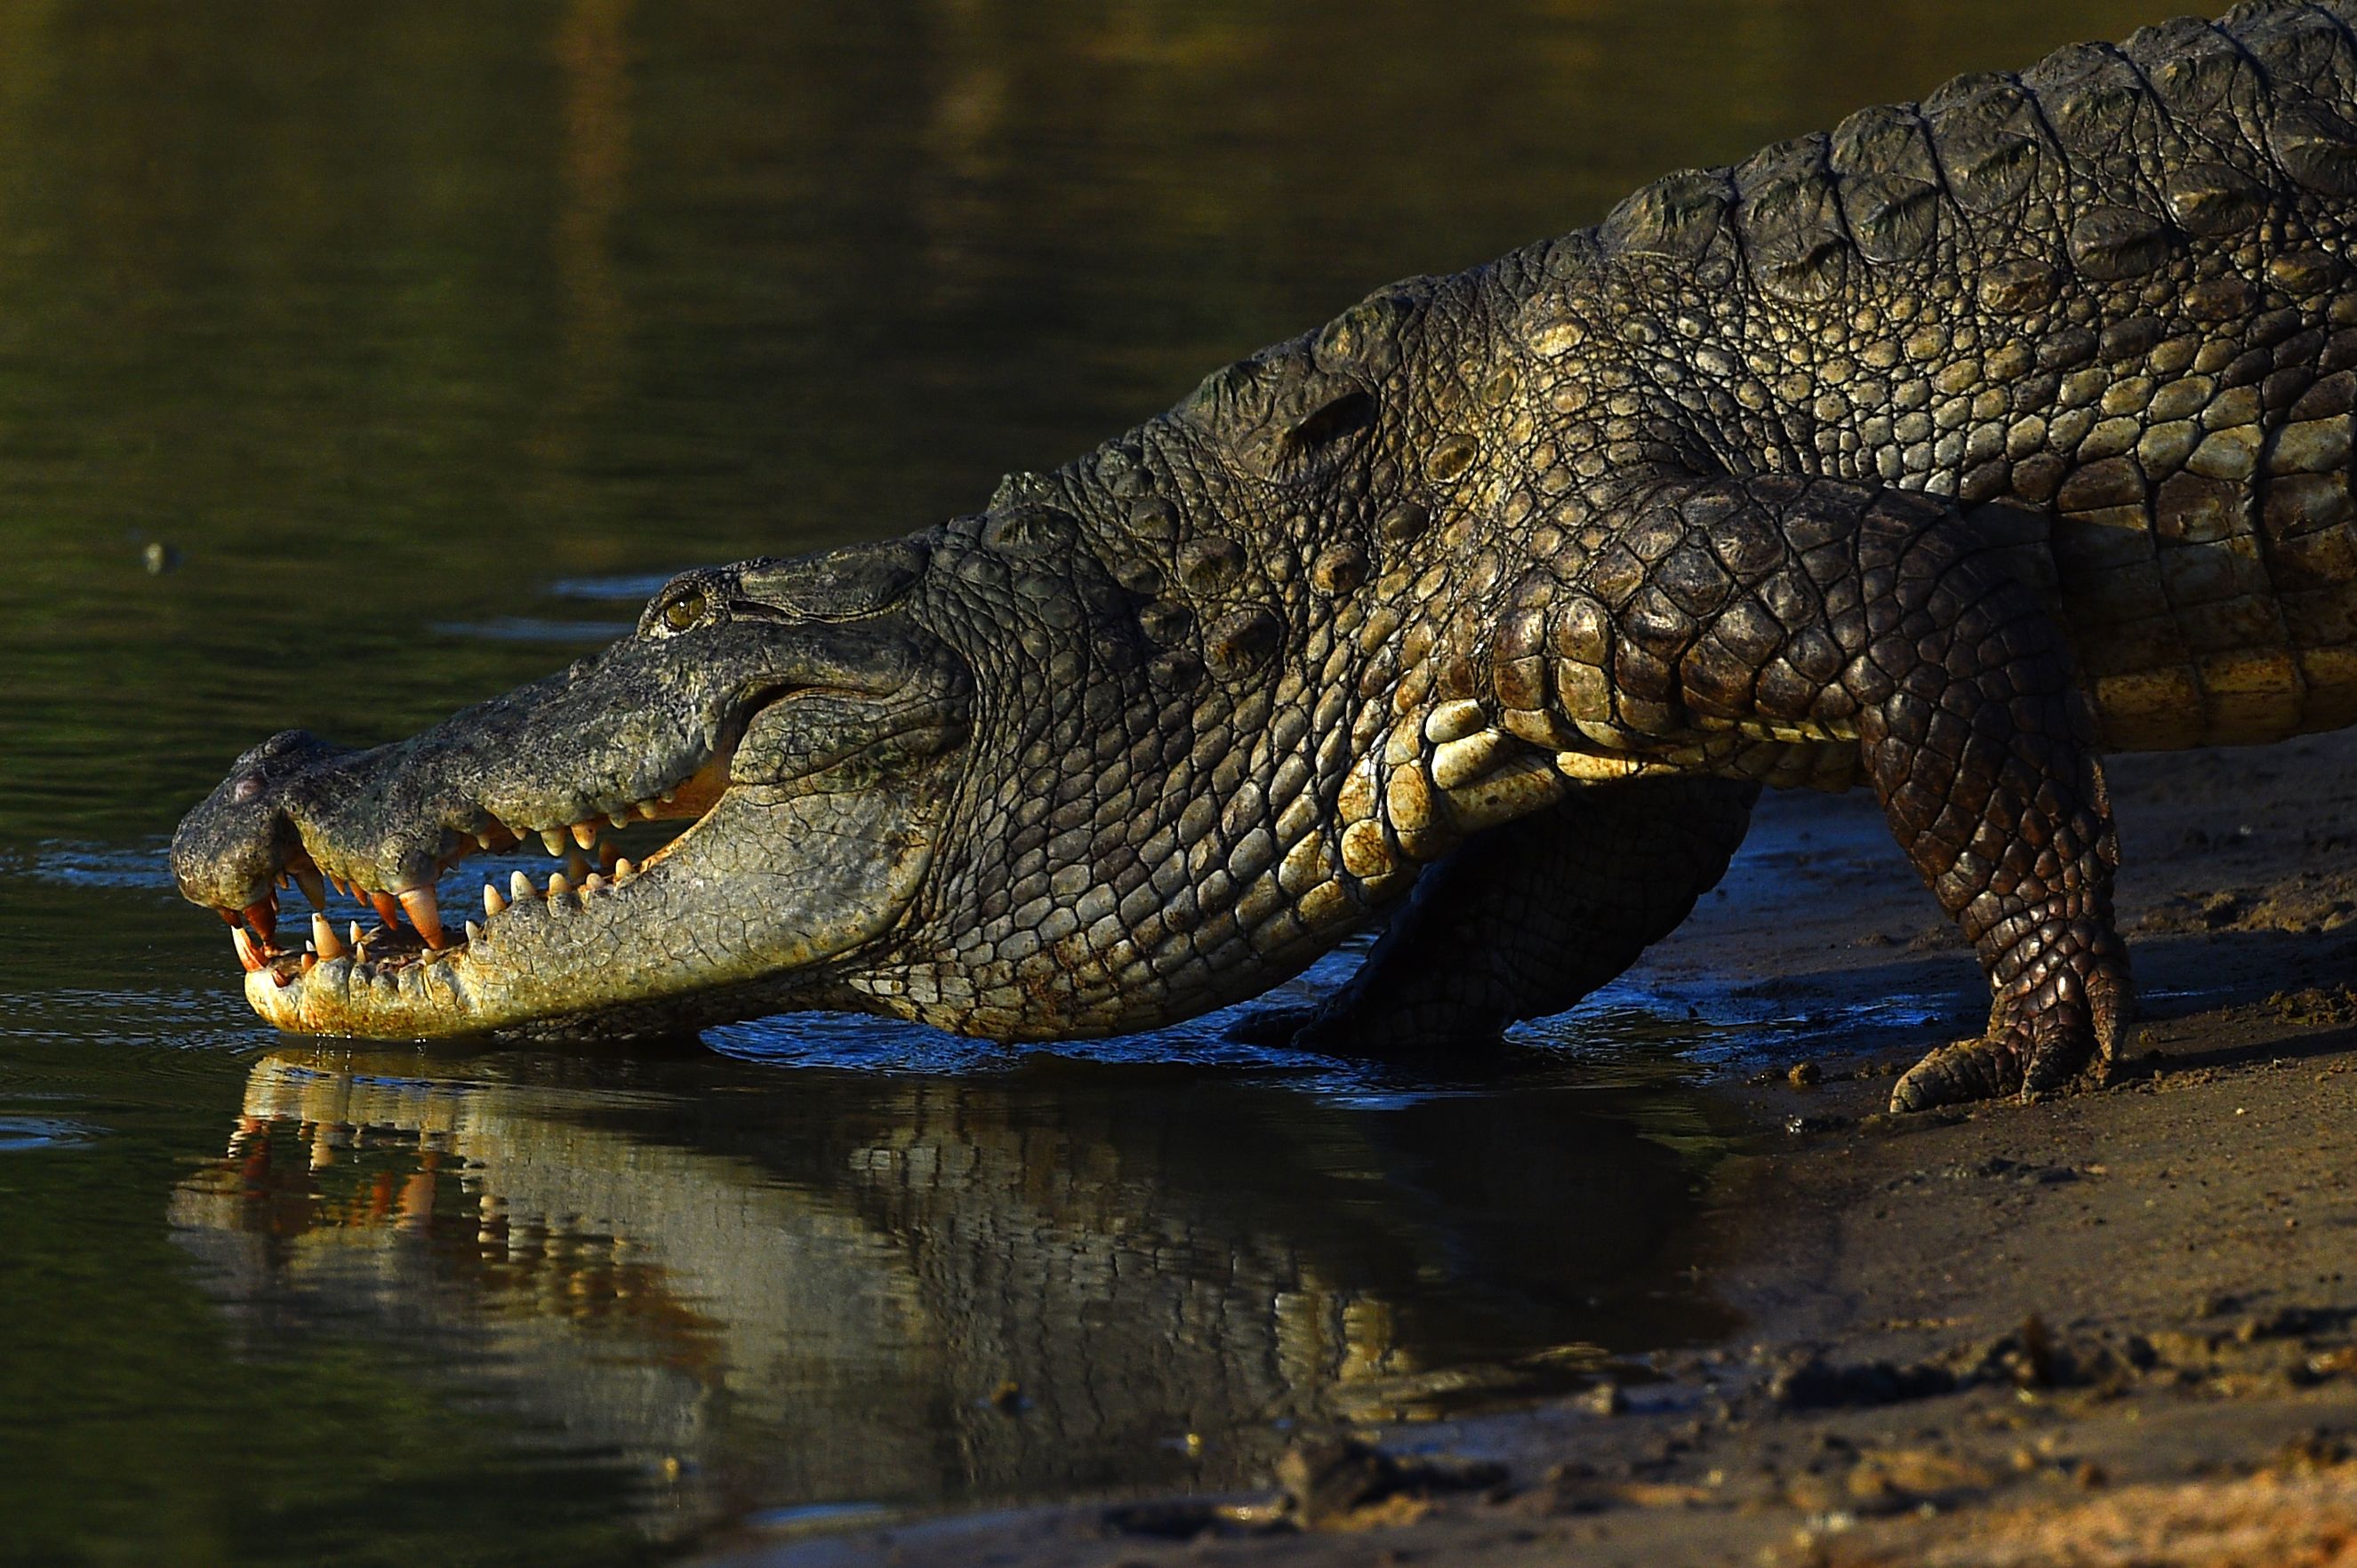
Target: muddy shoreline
{"x":2116,"y":1327}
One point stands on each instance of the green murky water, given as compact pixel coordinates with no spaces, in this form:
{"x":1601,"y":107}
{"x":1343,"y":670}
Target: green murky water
{"x":413,"y":340}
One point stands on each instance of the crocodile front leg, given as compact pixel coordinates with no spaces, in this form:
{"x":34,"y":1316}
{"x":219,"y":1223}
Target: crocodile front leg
{"x":1981,"y":751}
{"x":1730,"y":626}
{"x":1527,"y":919}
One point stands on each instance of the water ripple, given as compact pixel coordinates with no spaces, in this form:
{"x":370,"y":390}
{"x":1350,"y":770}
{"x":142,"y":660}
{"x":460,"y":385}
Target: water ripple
{"x":631,"y":587}
{"x":79,"y":865}
{"x":533,"y":629}
{"x":21,"y":1133}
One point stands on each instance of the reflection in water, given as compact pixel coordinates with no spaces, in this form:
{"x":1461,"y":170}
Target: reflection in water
{"x":789,"y":1288}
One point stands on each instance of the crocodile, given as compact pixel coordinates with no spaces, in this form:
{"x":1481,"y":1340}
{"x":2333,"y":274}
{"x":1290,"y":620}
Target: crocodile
{"x":1940,"y":455}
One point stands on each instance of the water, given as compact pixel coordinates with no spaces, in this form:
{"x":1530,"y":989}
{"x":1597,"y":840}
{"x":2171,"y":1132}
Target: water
{"x":356,"y":361}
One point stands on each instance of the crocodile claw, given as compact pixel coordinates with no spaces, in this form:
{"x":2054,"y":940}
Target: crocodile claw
{"x":1276,"y":1027}
{"x":2035,"y":1056}
{"x":1966,"y":1070}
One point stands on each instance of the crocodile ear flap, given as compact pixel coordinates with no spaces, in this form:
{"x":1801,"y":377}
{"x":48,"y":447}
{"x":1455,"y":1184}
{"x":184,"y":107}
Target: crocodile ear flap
{"x":1337,"y":416}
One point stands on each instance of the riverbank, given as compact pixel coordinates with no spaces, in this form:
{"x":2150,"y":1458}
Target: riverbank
{"x":2116,"y":1327}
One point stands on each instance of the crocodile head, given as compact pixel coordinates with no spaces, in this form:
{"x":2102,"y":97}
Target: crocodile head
{"x":797,"y":715}
{"x":994,"y":778}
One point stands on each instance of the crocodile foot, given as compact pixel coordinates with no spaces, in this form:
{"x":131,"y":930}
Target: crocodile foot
{"x":1276,"y":1027}
{"x":2052,"y":1050}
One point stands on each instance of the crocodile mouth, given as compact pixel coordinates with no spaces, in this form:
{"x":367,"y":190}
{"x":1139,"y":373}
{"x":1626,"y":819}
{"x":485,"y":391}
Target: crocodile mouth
{"x":732,"y":878}
{"x":409,"y":931}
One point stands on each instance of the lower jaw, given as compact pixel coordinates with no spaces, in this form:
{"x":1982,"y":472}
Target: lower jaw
{"x":316,"y":1003}
{"x":424,"y":1001}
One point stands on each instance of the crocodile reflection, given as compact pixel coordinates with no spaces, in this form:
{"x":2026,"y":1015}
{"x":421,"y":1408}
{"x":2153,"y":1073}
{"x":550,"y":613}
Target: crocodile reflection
{"x":771,"y":1287}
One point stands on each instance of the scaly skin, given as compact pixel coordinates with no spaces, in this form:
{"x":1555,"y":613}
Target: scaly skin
{"x":1936,"y":454}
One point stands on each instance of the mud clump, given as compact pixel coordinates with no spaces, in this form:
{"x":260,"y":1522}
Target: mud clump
{"x":1341,"y":1483}
{"x":2316,"y":1006}
{"x":2306,"y":1518}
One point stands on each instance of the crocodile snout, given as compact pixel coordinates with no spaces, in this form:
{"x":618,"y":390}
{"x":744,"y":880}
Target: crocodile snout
{"x":231,"y":850}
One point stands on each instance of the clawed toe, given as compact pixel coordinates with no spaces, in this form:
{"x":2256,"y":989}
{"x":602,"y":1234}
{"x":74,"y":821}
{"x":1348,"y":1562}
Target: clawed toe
{"x":1967,"y":1070}
{"x":1275,"y":1028}
{"x":2029,"y":1058}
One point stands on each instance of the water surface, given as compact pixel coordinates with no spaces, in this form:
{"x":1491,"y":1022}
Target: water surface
{"x":358,"y":361}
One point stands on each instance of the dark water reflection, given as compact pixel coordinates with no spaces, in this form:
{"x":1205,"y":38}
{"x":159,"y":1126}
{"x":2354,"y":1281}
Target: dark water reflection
{"x":359,"y":360}
{"x":758,"y":1287}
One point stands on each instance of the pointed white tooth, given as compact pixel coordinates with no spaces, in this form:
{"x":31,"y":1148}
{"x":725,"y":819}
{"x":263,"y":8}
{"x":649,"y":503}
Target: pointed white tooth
{"x":585,"y":833}
{"x":314,"y":885}
{"x":591,"y":883}
{"x":493,"y":903}
{"x":323,"y":937}
{"x":520,"y":886}
{"x":644,"y":809}
{"x":248,"y":959}
{"x":354,"y":932}
{"x":418,"y":904}
{"x":623,"y":867}
{"x":553,"y":839}
{"x":619,"y":816}
{"x":474,"y":933}
{"x":557,"y":886}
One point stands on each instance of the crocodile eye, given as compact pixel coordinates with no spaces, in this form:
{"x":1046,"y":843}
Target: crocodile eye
{"x":684,"y":611}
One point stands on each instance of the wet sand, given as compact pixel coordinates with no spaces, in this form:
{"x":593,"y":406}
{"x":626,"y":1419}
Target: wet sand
{"x":2116,"y":1327}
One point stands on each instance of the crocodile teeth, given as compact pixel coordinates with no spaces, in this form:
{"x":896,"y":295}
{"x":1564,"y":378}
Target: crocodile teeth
{"x":520,"y":886}
{"x":585,"y":833}
{"x":247,"y":957}
{"x":557,"y":886}
{"x":619,"y":816}
{"x":315,"y":888}
{"x":493,"y":903}
{"x":474,"y":933}
{"x":262,"y":916}
{"x":645,"y":808}
{"x":591,"y":883}
{"x":425,"y":916}
{"x":578,"y":868}
{"x":622,"y":867}
{"x":353,"y":931}
{"x":553,"y":839}
{"x":387,"y":907}
{"x":324,"y":938}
